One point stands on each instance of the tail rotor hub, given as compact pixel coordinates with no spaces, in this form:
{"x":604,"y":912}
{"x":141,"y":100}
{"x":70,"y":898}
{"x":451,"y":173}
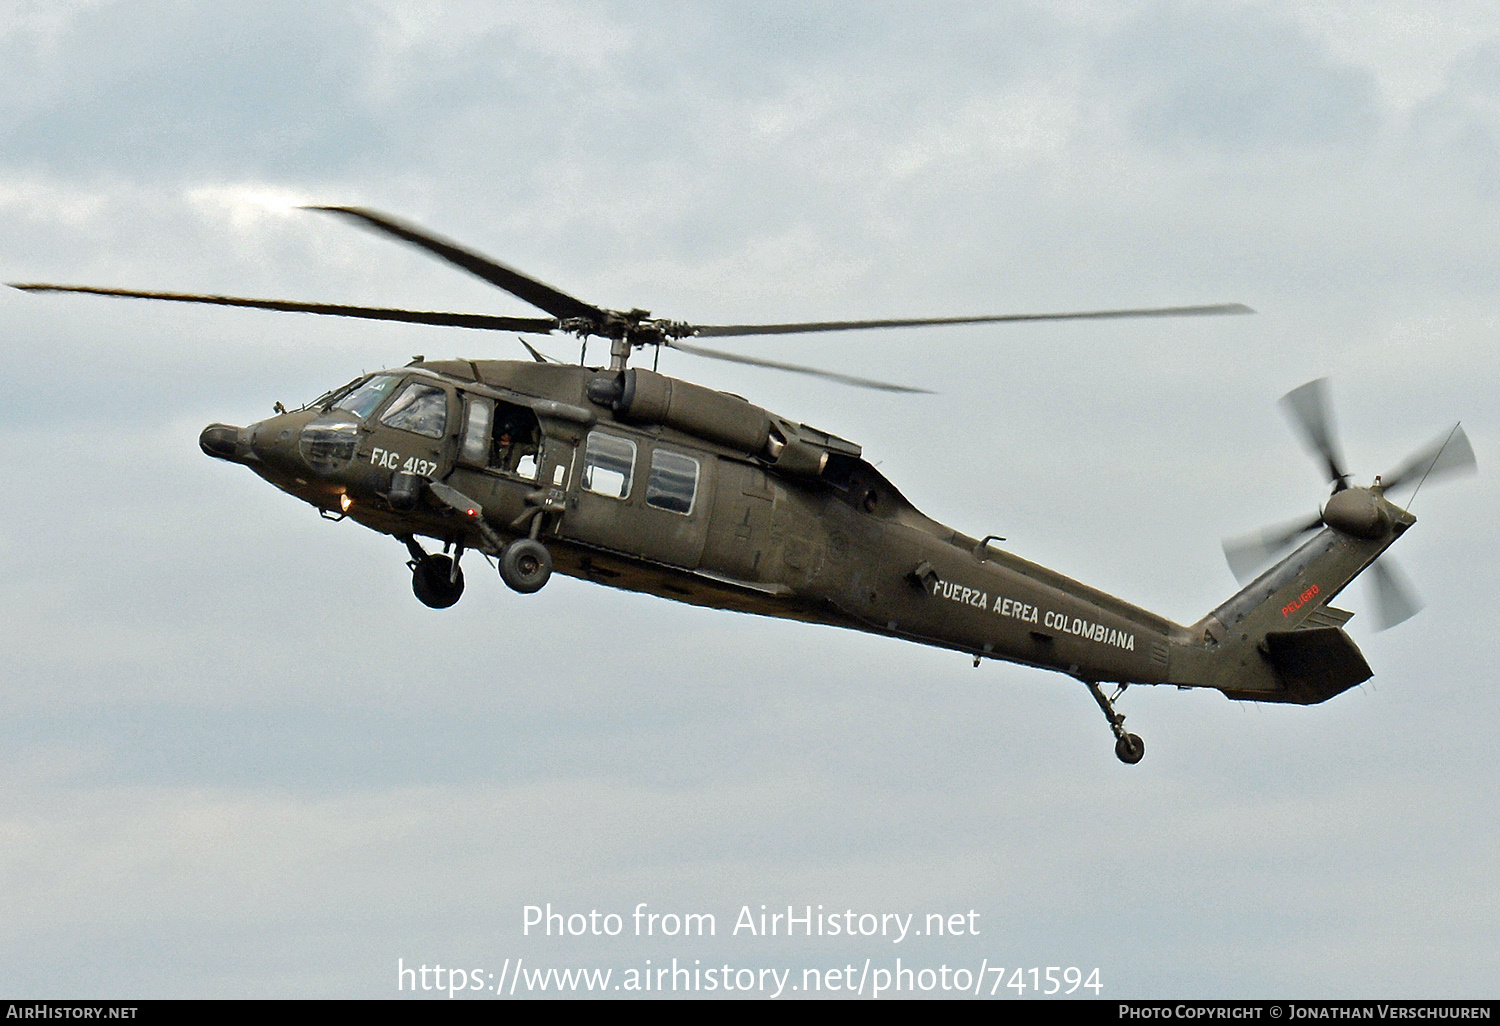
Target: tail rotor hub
{"x":1357,"y":511}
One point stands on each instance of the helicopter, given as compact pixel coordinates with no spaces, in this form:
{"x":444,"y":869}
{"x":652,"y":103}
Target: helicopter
{"x":636,"y":480}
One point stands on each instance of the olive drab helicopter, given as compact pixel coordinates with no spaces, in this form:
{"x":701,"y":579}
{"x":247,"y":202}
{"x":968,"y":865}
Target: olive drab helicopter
{"x":633,"y":479}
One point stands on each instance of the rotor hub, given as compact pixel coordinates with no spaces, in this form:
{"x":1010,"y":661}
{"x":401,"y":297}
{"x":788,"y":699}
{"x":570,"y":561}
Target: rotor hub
{"x":1357,"y":511}
{"x":634,"y":329}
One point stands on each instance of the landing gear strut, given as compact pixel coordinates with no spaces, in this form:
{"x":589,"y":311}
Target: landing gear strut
{"x":1129,"y":748}
{"x":437,"y":581}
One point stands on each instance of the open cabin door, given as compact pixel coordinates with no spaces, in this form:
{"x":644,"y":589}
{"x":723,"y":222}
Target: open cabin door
{"x":516,"y":453}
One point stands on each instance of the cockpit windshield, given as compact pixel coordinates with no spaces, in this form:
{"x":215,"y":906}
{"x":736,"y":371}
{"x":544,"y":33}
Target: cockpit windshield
{"x":362,"y":401}
{"x":328,"y":398}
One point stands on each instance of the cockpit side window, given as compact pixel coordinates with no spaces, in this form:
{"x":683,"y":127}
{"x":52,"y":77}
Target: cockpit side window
{"x":362,"y":401}
{"x":421,"y":409}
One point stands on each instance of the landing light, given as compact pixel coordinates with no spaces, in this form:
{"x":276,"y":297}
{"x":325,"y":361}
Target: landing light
{"x":345,"y":502}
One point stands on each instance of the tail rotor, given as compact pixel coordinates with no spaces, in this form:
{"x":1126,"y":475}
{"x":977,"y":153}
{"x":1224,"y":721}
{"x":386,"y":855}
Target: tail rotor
{"x":1310,"y":413}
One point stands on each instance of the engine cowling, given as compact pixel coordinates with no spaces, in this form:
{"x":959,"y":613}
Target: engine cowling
{"x":645,"y":397}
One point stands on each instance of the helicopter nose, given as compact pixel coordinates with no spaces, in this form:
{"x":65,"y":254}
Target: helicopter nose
{"x":221,"y":441}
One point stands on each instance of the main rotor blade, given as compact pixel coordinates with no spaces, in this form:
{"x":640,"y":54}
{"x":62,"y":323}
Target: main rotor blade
{"x":1395,"y":599}
{"x":1445,"y":456}
{"x":847,"y":379}
{"x":1308,"y":409}
{"x":1249,"y":554}
{"x":373,"y":313}
{"x":538,"y":294}
{"x":722,"y":330}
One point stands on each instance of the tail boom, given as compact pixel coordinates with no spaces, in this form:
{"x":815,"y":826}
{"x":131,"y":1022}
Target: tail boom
{"x":1279,"y":640}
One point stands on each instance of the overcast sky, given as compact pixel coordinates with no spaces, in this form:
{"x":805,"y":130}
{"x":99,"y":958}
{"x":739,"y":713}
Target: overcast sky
{"x":238,"y":758}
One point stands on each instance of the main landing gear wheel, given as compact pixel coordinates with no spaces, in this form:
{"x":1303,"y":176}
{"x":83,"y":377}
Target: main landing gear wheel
{"x":436,"y":581}
{"x":525,"y":565}
{"x":1129,"y":748}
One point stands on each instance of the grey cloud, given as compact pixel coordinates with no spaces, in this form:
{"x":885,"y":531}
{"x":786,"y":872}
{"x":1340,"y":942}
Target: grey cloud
{"x":181,"y":90}
{"x":1238,"y":79}
{"x":1458,"y":129}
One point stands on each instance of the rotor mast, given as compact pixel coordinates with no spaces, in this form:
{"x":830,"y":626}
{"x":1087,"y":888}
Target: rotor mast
{"x":626,"y":330}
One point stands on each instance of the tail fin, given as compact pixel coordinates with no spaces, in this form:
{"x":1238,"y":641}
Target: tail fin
{"x":1279,"y":640}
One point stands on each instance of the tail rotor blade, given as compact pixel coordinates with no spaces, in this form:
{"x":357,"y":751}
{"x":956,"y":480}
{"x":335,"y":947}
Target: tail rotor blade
{"x":1249,"y":554}
{"x":1308,"y":409}
{"x":1448,"y":456}
{"x":1395,"y":599}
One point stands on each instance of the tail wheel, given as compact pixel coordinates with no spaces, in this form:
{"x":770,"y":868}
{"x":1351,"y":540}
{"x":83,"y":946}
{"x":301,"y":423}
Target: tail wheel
{"x":436,"y":582}
{"x":525,"y":565}
{"x":1130,"y":748}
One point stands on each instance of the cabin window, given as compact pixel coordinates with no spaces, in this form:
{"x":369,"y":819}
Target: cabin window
{"x":673,"y":481}
{"x":420,"y":409}
{"x":476,"y":444}
{"x":362,"y":401}
{"x":607,"y":464}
